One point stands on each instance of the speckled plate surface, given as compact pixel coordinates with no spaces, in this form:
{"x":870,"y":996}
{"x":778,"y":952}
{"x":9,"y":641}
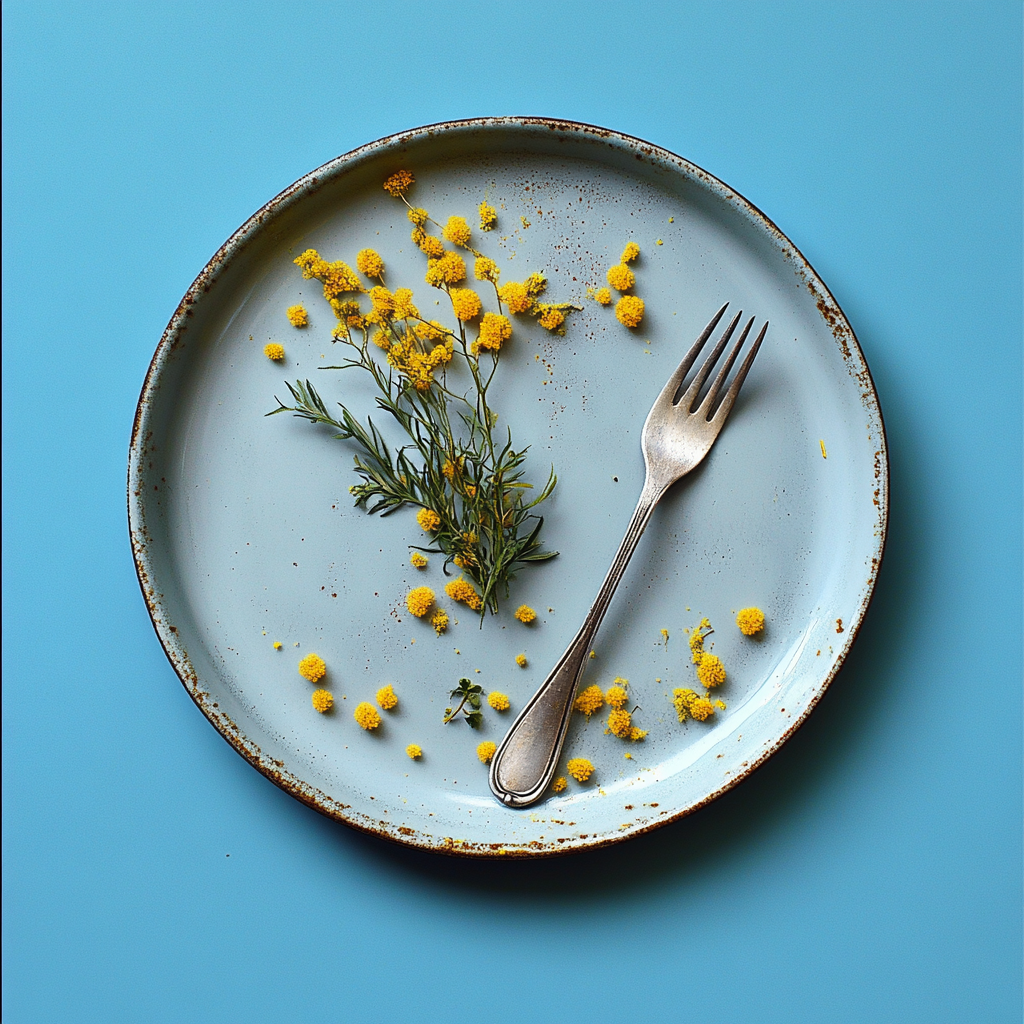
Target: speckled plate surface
{"x":244,"y":532}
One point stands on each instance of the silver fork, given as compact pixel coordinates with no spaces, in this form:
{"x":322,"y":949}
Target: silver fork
{"x":675,"y":438}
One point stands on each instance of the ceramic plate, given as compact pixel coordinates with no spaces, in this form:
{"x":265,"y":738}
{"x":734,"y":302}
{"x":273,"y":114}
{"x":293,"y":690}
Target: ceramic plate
{"x":244,"y":531}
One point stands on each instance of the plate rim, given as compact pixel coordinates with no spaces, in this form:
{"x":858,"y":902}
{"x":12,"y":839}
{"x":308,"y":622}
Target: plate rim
{"x":167,"y":633}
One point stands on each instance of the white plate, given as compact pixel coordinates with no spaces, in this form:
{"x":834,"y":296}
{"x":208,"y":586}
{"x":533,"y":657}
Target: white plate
{"x":244,"y":531}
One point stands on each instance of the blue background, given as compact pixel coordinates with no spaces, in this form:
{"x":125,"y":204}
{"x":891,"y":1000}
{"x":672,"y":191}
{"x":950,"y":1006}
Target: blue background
{"x":870,"y":872}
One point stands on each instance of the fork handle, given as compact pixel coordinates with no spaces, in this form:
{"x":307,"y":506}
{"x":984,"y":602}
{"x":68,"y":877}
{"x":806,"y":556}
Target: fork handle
{"x":527,"y":757}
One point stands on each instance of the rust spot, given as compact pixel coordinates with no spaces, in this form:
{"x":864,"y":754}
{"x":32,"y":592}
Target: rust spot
{"x":839,"y":625}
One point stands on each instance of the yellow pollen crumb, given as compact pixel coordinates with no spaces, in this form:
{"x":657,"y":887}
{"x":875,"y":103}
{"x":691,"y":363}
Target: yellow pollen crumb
{"x":386,"y":698}
{"x":619,"y":722}
{"x":312,"y":667}
{"x":399,"y":183}
{"x":620,"y":277}
{"x":297,"y":316}
{"x":488,"y":217}
{"x":366,"y":715}
{"x":462,"y":590}
{"x":274,"y":351}
{"x":414,"y":751}
{"x":525,"y":614}
{"x":277,"y":645}
{"x":498,"y":701}
{"x":630,"y":253}
{"x":750,"y":621}
{"x":628,"y":757}
{"x":521,"y":660}
{"x":428,"y":519}
{"x":439,"y":621}
{"x":419,"y":600}
{"x":616,"y":695}
{"x":603,"y":296}
{"x":824,"y":454}
{"x":636,"y":734}
{"x":664,"y":633}
{"x":559,"y":785}
{"x":580,"y":769}
{"x":629,"y":310}
{"x":419,"y":560}
{"x":710,"y":671}
{"x":589,"y":700}
{"x":485,"y":751}
{"x":658,"y":242}
{"x":323,"y":701}
{"x":671,"y":220}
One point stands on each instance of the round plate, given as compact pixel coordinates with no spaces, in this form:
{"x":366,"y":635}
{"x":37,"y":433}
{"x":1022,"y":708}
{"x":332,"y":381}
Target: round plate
{"x":244,"y":531}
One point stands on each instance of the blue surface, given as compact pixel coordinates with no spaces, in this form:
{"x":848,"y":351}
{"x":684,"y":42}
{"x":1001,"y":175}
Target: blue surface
{"x":870,"y":872}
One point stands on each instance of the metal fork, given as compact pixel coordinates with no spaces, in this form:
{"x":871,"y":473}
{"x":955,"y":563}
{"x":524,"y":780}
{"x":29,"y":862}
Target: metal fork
{"x":675,"y":438}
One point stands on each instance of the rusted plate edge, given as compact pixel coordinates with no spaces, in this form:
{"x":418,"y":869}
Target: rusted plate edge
{"x":167,"y":633}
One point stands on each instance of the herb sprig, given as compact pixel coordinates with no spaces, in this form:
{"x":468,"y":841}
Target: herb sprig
{"x":467,"y":693}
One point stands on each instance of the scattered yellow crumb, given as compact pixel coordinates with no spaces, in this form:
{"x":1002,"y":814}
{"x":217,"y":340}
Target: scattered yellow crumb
{"x":619,"y":722}
{"x":750,"y":621}
{"x":297,"y":316}
{"x":485,"y":751}
{"x":488,"y":216}
{"x":628,"y":757}
{"x":616,"y":695}
{"x":558,"y":786}
{"x":272,"y":350}
{"x":418,"y":559}
{"x":312,"y":667}
{"x":462,"y":590}
{"x":428,"y":519}
{"x":630,"y":253}
{"x":498,"y":701}
{"x":323,"y":701}
{"x":589,"y":700}
{"x":658,"y":242}
{"x":603,"y":296}
{"x":710,"y":671}
{"x":636,"y":734}
{"x":580,"y":769}
{"x":671,"y":220}
{"x":525,"y":614}
{"x":620,"y":277}
{"x":521,"y":660}
{"x":439,"y":621}
{"x":419,"y":601}
{"x":399,"y":183}
{"x":824,"y":454}
{"x":664,"y":633}
{"x":386,"y":698}
{"x":414,"y":751}
{"x":277,"y":645}
{"x":366,"y":715}
{"x":629,"y":310}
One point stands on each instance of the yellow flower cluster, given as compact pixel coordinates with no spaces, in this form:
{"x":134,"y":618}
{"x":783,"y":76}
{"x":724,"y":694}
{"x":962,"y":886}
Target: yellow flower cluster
{"x":465,"y":303}
{"x":418,"y":215}
{"x":428,"y":519}
{"x":323,"y":701}
{"x":710,"y":673}
{"x":386,"y":698}
{"x":485,"y":269}
{"x":521,"y":660}
{"x":580,"y":769}
{"x":616,"y":695}
{"x":688,"y":702}
{"x":313,"y":668}
{"x":619,"y":722}
{"x":750,"y":621}
{"x":419,"y":601}
{"x":414,"y":751}
{"x":439,"y":620}
{"x":447,"y":269}
{"x":488,"y":217}
{"x":272,"y":350}
{"x":498,"y":701}
{"x":525,"y":614}
{"x":485,"y":751}
{"x":559,"y":785}
{"x":418,"y":559}
{"x":399,"y":183}
{"x":419,"y":366}
{"x":629,"y":310}
{"x":297,"y":316}
{"x":462,"y":590}
{"x":457,"y":231}
{"x":495,"y":329}
{"x":589,"y":700}
{"x":366,"y":716}
{"x":369,"y":262}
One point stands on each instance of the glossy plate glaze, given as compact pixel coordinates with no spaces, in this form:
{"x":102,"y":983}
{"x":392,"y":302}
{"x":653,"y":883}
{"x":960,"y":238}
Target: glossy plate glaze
{"x":244,"y":532}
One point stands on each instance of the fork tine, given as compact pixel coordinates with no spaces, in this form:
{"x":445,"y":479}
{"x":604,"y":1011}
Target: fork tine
{"x":690,"y":396}
{"x":668,"y":392}
{"x":707,"y":404}
{"x":734,"y":388}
